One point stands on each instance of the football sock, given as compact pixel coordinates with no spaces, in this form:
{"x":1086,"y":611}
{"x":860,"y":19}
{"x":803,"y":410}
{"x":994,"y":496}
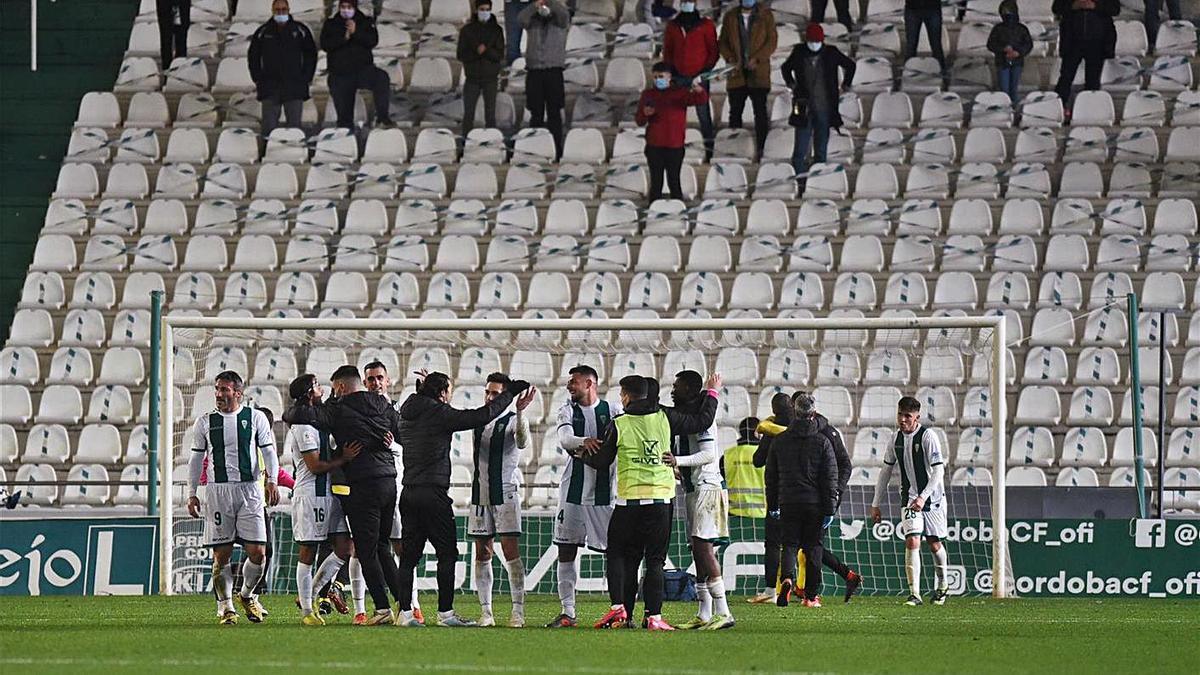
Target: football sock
{"x":328,"y":570}
{"x":304,"y":586}
{"x":567,"y":575}
{"x":483,"y":584}
{"x":446,"y":614}
{"x":939,"y":568}
{"x":223,"y":586}
{"x":912,"y":568}
{"x":358,"y":586}
{"x":516,"y":583}
{"x":416,"y":604}
{"x":716,"y":589}
{"x":705,"y":600}
{"x":251,"y":574}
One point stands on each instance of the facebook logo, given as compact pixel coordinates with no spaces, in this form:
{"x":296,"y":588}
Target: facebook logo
{"x":1149,"y":533}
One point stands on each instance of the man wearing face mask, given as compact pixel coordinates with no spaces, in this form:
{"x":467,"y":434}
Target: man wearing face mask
{"x":348,"y":38}
{"x":282,"y":59}
{"x":1010,"y":41}
{"x":481,"y":52}
{"x":748,"y":39}
{"x":690,"y":49}
{"x":546,"y":22}
{"x":811,"y":71}
{"x":427,"y":424}
{"x":662,"y":109}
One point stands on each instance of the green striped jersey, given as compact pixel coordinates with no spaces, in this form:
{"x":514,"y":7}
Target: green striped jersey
{"x":916,"y":453}
{"x":705,"y":476}
{"x":233,"y":441}
{"x":301,"y":440}
{"x":498,"y":447}
{"x":581,"y":484}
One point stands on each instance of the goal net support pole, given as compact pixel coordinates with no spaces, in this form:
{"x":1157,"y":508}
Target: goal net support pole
{"x":997,"y":384}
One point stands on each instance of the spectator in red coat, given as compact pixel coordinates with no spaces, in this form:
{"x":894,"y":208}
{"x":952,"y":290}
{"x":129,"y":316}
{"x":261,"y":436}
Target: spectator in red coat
{"x":662,"y":109}
{"x":690,"y":49}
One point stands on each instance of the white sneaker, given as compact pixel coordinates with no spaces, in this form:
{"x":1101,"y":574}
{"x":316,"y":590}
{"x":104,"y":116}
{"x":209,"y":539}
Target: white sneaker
{"x":763,"y":598}
{"x":487,"y":620}
{"x":517,"y":620}
{"x":455,"y":621}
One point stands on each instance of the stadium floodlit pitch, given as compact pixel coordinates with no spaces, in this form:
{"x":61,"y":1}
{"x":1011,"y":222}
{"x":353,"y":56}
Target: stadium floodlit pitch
{"x":144,"y":634}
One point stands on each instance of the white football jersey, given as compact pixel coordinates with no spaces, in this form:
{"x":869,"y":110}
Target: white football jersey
{"x":916,"y":464}
{"x":581,"y":484}
{"x":234,"y":441}
{"x":706,"y":476}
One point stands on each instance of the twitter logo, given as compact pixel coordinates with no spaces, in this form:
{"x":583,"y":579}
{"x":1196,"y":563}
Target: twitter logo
{"x":850,"y":530}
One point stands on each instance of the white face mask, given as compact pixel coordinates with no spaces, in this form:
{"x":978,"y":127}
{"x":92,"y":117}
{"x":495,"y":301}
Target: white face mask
{"x":814,"y":46}
{"x":687,"y":7}
{"x":543,"y":10}
{"x":484,"y":15}
{"x":281,"y":18}
{"x":346,"y":13}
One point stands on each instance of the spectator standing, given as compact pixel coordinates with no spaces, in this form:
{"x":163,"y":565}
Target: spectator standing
{"x":348,"y":37}
{"x":481,"y":51}
{"x":283,"y":59}
{"x":663,"y":111}
{"x":1151,"y":17}
{"x":174,"y":18}
{"x":1010,"y":41}
{"x":513,"y":29}
{"x":748,"y":39}
{"x":690,"y":49}
{"x":811,"y":71}
{"x":546,"y":22}
{"x":1087,"y":35}
{"x":842,"y":7}
{"x":802,"y":478}
{"x":927,"y":13}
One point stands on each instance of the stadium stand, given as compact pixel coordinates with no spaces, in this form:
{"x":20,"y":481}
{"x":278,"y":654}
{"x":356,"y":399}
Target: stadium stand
{"x":933,"y":202}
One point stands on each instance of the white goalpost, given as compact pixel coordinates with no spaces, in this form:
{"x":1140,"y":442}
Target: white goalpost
{"x":854,"y":365}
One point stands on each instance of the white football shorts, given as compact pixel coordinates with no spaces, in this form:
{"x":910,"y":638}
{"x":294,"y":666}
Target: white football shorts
{"x":233,"y":512}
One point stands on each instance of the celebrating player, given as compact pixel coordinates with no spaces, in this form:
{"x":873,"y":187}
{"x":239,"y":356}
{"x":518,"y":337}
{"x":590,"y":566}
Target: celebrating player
{"x":316,"y":513}
{"x":496,"y":499}
{"x":922,"y":476}
{"x":585,"y":494}
{"x":699,"y":462}
{"x":233,"y":503}
{"x":378,"y":381}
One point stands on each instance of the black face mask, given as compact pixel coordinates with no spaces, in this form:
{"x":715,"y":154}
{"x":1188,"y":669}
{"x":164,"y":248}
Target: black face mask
{"x":1009,"y":18}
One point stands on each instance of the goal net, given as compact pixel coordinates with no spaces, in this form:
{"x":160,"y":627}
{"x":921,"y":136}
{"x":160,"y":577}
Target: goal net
{"x":856,"y":368}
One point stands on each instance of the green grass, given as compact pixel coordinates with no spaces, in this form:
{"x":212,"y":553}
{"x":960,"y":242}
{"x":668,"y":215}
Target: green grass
{"x":85,"y":634}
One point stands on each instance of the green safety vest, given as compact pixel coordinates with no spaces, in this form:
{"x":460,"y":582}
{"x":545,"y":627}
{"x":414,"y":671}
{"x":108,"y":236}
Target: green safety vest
{"x":641,"y":442}
{"x":747,"y":491}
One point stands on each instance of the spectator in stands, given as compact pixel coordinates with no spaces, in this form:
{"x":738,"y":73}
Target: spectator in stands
{"x":926,"y":13}
{"x":817,"y":15}
{"x":663,"y":111}
{"x":811,"y":71}
{"x":546,"y":22}
{"x":748,"y":39}
{"x":283,"y":59}
{"x":1010,"y":41}
{"x":481,"y":51}
{"x":174,"y":17}
{"x":1086,"y":34}
{"x":348,"y":37}
{"x":1174,"y":12}
{"x":656,"y":12}
{"x":512,"y":29}
{"x":690,"y":49}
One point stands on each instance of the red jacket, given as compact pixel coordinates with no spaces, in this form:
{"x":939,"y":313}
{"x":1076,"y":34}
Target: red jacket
{"x":666,"y":127}
{"x":692,"y":52}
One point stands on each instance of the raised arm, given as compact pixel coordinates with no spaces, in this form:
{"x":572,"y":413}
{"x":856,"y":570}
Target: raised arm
{"x":462,"y":420}
{"x":683,"y":423}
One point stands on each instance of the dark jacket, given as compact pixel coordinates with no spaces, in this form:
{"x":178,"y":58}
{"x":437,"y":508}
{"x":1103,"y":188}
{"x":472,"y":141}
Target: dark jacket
{"x":802,"y":469}
{"x":426,"y":428}
{"x":830,"y":58}
{"x":758,"y":47}
{"x":681,"y":423}
{"x":362,"y":416}
{"x":283,"y":59}
{"x":844,"y":467}
{"x":349,"y":56}
{"x":1087,"y":31}
{"x":1010,"y":32}
{"x":483,"y":67}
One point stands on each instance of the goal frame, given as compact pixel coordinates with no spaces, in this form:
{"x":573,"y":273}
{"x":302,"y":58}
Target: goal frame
{"x":997,"y":383}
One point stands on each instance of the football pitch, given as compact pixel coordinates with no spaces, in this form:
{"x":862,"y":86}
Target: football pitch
{"x":153,"y":634}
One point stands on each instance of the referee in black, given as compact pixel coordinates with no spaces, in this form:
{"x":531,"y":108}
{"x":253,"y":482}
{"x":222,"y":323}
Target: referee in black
{"x":801,"y":478}
{"x":354,"y":414}
{"x":427,"y":424}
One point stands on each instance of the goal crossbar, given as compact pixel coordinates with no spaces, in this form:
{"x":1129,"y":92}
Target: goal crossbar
{"x":997,"y":382}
